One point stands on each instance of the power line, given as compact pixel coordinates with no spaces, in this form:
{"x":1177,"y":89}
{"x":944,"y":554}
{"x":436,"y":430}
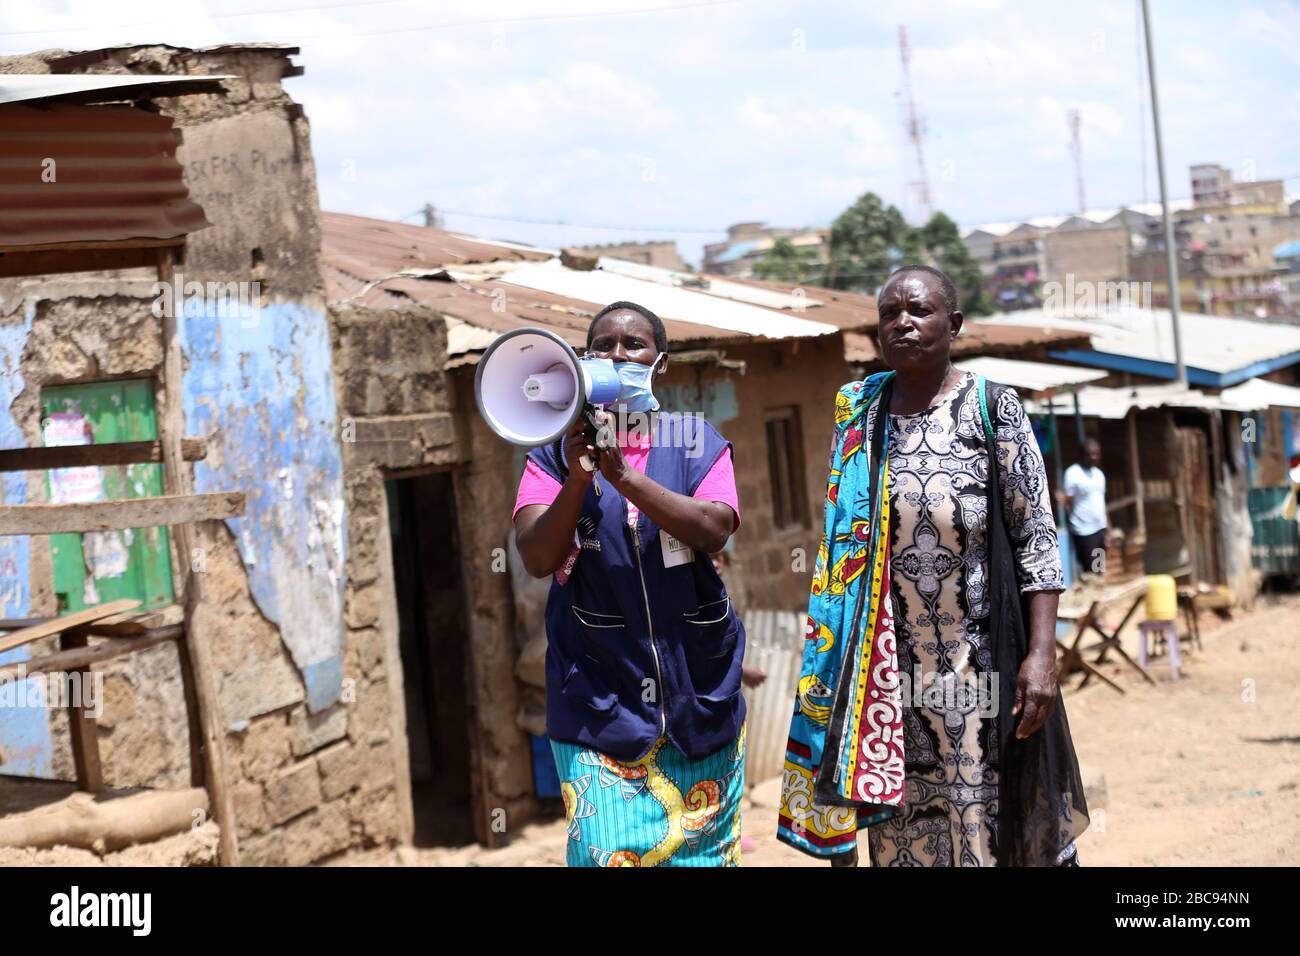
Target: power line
{"x":577,"y":225}
{"x":528,"y":18}
{"x":213,"y":16}
{"x":697,"y":230}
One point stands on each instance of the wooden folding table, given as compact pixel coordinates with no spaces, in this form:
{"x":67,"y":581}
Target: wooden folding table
{"x":1072,"y":656}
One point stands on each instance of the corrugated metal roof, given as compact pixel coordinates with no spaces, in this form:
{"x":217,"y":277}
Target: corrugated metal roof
{"x":1260,"y":393}
{"x":114,"y":177}
{"x":100,"y":87}
{"x":794,"y":299}
{"x":501,"y":286}
{"x":488,"y":304}
{"x":78,"y":58}
{"x":1218,"y":345}
{"x":600,"y":286}
{"x":850,"y":311}
{"x":1095,"y":216}
{"x":1030,"y":376}
{"x":370,"y":249}
{"x":807,"y":299}
{"x":1098,"y":402}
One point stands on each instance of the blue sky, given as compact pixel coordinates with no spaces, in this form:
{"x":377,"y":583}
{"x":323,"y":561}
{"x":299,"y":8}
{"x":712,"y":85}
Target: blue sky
{"x":670,"y":119}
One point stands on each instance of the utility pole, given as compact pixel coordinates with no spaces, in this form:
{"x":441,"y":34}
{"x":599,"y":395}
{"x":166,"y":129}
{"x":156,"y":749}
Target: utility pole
{"x":1171,"y":254}
{"x":1074,"y":119}
{"x":914,"y":127}
{"x":431,"y":218}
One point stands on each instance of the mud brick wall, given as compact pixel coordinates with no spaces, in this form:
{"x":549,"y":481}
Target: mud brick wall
{"x":408,"y":416}
{"x":485,"y":489}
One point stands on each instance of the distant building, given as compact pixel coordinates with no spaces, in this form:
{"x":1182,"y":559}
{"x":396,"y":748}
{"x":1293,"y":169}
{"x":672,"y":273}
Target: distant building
{"x":1225,"y":236}
{"x":979,"y":243}
{"x":1287,"y":257}
{"x":1085,"y":251}
{"x":747,"y":242}
{"x":661,"y":254}
{"x":1017,"y":267}
{"x":1210,"y":183}
{"x":1227,"y":261}
{"x":1213,"y":185}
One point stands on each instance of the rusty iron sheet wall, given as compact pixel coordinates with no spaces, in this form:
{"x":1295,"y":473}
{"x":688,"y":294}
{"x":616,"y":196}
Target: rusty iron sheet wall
{"x":76,"y":174}
{"x":774,"y":644}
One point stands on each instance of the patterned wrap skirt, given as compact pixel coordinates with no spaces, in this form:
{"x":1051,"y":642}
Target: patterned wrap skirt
{"x":662,"y":810}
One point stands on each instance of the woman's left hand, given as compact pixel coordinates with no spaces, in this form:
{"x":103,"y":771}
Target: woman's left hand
{"x":1035,"y":692}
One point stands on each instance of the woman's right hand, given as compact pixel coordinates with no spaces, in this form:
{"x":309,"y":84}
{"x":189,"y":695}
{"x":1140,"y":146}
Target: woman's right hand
{"x":575,"y":446}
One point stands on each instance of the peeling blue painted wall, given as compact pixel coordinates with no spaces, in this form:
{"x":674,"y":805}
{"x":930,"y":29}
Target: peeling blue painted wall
{"x":264,"y":384}
{"x":24,"y":730}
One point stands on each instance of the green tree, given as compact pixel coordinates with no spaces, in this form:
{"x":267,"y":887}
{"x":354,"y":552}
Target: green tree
{"x":945,"y":250}
{"x":867,"y":241}
{"x":786,"y":262}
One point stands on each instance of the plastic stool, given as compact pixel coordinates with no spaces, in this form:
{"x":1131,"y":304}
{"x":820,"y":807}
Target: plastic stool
{"x":1159,"y":629}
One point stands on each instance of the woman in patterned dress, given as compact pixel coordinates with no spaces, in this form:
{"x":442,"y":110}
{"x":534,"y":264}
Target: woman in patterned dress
{"x":945,"y":596}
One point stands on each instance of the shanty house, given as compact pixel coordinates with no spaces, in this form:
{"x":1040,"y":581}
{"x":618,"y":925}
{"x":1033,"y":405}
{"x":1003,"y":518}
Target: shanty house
{"x":1186,"y":468}
{"x":149,"y":199}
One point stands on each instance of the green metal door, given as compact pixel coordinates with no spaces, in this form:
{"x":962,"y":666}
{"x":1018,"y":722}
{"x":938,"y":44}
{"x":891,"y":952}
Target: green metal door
{"x":98,"y":567}
{"x":1276,"y":545}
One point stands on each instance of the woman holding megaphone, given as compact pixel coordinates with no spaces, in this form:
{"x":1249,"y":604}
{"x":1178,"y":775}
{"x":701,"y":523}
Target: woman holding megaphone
{"x":643,"y":662}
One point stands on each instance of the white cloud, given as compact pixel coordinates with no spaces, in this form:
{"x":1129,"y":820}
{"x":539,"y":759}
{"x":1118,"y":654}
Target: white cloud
{"x":714,"y":115}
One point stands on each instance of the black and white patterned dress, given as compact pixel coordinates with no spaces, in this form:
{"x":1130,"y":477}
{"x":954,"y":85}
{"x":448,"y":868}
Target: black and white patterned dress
{"x":938,"y":469}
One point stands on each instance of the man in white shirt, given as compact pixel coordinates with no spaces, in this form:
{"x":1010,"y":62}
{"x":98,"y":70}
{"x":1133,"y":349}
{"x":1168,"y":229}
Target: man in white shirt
{"x":1084,"y":493}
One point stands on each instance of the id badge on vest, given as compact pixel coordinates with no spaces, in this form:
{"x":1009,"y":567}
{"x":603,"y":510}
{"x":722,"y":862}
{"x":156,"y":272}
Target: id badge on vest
{"x":675,"y":552}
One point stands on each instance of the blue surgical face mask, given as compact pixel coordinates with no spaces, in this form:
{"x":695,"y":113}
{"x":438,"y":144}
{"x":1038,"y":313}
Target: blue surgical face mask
{"x":637,"y":392}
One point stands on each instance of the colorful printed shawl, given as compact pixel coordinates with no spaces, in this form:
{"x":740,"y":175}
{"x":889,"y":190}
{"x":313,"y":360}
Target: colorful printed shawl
{"x":844,"y":758}
{"x":844,"y":765}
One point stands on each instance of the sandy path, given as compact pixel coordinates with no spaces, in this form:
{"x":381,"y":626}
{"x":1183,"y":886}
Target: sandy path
{"x":1204,"y":771}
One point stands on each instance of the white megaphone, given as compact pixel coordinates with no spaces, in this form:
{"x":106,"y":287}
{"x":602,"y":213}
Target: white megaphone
{"x":531,"y":387}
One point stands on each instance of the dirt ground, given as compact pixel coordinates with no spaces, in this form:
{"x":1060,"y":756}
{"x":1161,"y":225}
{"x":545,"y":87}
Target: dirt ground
{"x":1204,"y":771}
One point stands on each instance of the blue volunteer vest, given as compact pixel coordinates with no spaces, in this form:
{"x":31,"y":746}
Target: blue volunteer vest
{"x":638,"y":650}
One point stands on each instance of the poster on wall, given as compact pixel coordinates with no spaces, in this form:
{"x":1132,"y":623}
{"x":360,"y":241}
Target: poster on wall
{"x":71,"y":485}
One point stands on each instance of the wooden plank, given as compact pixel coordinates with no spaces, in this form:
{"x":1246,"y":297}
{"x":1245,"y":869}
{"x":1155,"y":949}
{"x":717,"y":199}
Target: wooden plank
{"x":77,"y":658}
{"x":193,"y":716}
{"x":83,"y":456}
{"x":85,"y":734}
{"x":18,"y":623}
{"x":57,"y":625}
{"x":1135,"y":473}
{"x":133,"y":622}
{"x":108,"y":823}
{"x":203,"y":685}
{"x":173,"y":509}
{"x":49,"y":260}
{"x":117,"y":629}
{"x":90,"y":245}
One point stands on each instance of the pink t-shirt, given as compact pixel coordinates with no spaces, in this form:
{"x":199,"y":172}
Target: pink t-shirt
{"x":536,"y":487}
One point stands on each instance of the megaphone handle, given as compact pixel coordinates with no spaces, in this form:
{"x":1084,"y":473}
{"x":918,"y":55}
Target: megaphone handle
{"x":590,"y":465}
{"x":593,"y":435}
